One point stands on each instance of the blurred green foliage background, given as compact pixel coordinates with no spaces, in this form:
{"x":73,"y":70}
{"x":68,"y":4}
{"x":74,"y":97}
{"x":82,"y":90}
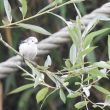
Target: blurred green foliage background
{"x":26,"y":100}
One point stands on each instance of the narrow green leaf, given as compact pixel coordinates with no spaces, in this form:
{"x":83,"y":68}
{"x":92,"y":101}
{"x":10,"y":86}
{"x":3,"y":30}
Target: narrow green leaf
{"x":73,"y":54}
{"x":94,"y":106}
{"x":92,"y":35}
{"x":23,"y":9}
{"x":41,"y":94}
{"x":8,"y":10}
{"x":87,"y":51}
{"x":109,"y":47}
{"x":22,"y":88}
{"x":62,"y":96}
{"x":34,"y":28}
{"x":48,"y":61}
{"x":79,"y":25}
{"x":77,"y":83}
{"x":78,"y":65}
{"x":97,"y":73}
{"x":90,"y":26}
{"x":101,"y":89}
{"x":91,"y":57}
{"x":81,"y":104}
{"x":74,"y":35}
{"x":102,"y":64}
{"x":66,"y":83}
{"x":67,"y":63}
{"x":74,"y":95}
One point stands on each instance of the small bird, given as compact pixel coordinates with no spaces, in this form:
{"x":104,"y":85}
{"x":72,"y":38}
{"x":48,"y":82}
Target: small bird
{"x":28,"y":48}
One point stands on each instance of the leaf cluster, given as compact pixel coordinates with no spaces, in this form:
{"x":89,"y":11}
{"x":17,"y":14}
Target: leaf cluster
{"x":88,"y":73}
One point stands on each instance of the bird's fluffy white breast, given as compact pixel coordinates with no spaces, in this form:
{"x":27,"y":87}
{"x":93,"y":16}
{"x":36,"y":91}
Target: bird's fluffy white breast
{"x":29,"y":51}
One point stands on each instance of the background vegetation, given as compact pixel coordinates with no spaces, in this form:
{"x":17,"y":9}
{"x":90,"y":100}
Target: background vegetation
{"x":26,"y":100}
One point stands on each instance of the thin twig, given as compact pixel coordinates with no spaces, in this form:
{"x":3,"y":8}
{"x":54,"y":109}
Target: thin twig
{"x":39,"y":14}
{"x":45,"y":84}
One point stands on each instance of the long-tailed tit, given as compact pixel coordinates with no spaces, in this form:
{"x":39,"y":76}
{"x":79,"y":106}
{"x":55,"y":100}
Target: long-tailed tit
{"x":28,"y":48}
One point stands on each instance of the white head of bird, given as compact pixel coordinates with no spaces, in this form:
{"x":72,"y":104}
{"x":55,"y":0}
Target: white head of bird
{"x":28,"y":48}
